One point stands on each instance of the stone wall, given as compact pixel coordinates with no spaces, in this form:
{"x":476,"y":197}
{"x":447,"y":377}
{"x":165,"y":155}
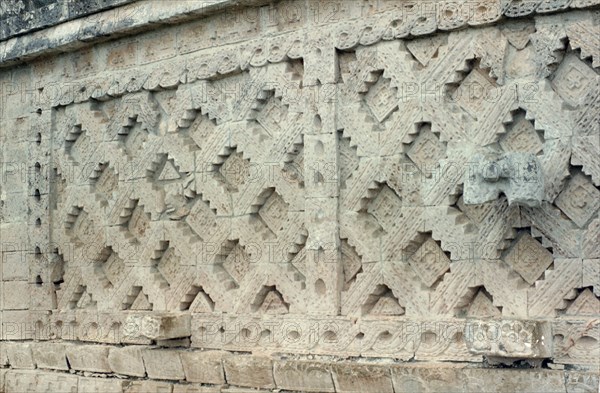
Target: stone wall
{"x":326,"y":196}
{"x":25,"y":16}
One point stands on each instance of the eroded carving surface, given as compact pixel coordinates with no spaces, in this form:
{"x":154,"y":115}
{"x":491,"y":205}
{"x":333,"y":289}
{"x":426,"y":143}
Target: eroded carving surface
{"x":519,"y":176}
{"x":235,"y":200}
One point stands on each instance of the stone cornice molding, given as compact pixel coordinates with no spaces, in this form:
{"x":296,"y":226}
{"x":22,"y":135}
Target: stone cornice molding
{"x":407,"y":19}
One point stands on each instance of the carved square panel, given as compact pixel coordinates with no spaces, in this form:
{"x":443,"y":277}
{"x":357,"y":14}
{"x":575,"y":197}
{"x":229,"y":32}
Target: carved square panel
{"x":474,"y":92}
{"x":235,"y":170}
{"x":574,"y":79}
{"x":385,"y":206}
{"x":429,"y":262}
{"x":426,"y":151}
{"x":528,"y":258}
{"x":237,"y":262}
{"x":579,"y":200}
{"x":381,"y":99}
{"x":274,"y":212}
{"x":522,"y":138}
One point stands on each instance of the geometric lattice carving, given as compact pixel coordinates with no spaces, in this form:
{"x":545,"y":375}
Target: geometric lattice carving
{"x":312,"y":176}
{"x":381,"y":99}
{"x":579,"y":200}
{"x":482,"y":307}
{"x":382,"y":302}
{"x":430,"y":262}
{"x":522,"y":137}
{"x":236,"y":261}
{"x":529,"y":258}
{"x":426,"y":151}
{"x":574,"y":79}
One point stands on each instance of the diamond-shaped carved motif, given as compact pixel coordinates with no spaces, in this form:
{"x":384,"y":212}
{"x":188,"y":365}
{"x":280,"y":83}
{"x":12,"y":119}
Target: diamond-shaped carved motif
{"x":168,"y":266}
{"x":573,"y":80}
{"x":235,"y":170}
{"x":381,"y":99}
{"x":426,"y":150}
{"x":429,"y":262}
{"x":113,"y":268}
{"x":385,"y":206}
{"x":274,"y":212}
{"x":473,"y":92}
{"x":139,"y":222}
{"x":351,"y":262}
{"x":579,"y":200}
{"x":528,"y":258}
{"x":272,"y":115}
{"x":201,"y":218}
{"x":107,"y":182}
{"x":522,"y":138}
{"x":237,"y":262}
{"x":133,"y":138}
{"x":84,"y":228}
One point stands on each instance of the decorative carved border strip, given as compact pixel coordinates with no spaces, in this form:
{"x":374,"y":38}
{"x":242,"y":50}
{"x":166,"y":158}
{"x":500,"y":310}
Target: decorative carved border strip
{"x":452,"y":339}
{"x":411,"y":19}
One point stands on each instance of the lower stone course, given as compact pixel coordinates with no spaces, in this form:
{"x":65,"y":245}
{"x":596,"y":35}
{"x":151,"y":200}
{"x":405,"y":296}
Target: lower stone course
{"x":251,"y":371}
{"x":50,"y":356}
{"x":163,"y":364}
{"x":127,"y":361}
{"x":107,"y":369}
{"x":303,"y":375}
{"x":91,"y":358}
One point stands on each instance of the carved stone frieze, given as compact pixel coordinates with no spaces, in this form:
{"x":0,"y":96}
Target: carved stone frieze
{"x":243,"y":195}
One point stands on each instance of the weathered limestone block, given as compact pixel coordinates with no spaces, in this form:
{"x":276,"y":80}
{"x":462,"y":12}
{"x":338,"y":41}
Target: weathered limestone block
{"x":204,"y":366}
{"x":148,"y":387}
{"x":97,"y":385}
{"x":159,"y":327}
{"x":19,"y":325}
{"x":21,"y":381}
{"x":163,"y":364}
{"x":127,"y":361}
{"x":355,"y":378}
{"x":249,"y":371}
{"x":518,"y":175}
{"x":20,"y":355}
{"x":575,"y":341}
{"x":581,"y":381}
{"x":56,"y":382}
{"x":509,"y":338}
{"x":234,"y":389}
{"x":50,"y":356}
{"x":504,"y":381}
{"x":3,"y":354}
{"x":2,"y":378}
{"x":196,"y":388}
{"x":92,"y":358}
{"x":15,"y":295}
{"x":434,"y":378}
{"x":14,"y":266}
{"x":303,"y":376}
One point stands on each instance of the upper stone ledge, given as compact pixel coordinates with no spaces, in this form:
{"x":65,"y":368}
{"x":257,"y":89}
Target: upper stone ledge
{"x":19,"y":17}
{"x":410,"y":18}
{"x":120,"y":18}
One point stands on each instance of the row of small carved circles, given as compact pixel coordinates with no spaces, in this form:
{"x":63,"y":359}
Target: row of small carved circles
{"x":389,"y":26}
